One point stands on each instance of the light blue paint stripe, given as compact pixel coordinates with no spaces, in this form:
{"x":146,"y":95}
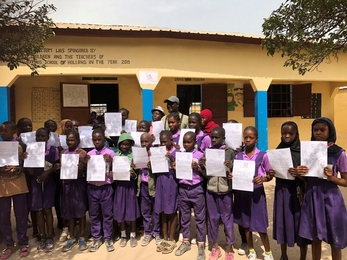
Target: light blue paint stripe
{"x":4,"y":104}
{"x":147,"y":104}
{"x":261,"y":119}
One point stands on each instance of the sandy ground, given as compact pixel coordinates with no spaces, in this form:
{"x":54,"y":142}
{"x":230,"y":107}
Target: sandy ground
{"x":149,"y":252}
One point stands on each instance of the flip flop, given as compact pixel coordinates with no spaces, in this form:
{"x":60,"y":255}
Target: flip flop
{"x":24,"y":251}
{"x":6,"y":253}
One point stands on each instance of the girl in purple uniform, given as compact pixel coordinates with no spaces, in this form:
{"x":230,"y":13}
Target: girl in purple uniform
{"x":286,"y":213}
{"x":43,"y":192}
{"x":74,"y":195}
{"x":250,"y":207}
{"x":324,"y":215}
{"x":166,"y":201}
{"x":203,"y":141}
{"x":174,"y":123}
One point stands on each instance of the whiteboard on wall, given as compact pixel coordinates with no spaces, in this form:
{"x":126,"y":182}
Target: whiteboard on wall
{"x":75,"y":95}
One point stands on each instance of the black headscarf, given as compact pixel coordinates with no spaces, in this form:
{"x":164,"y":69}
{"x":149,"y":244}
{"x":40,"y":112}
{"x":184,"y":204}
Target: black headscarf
{"x":332,"y":134}
{"x":294,"y":146}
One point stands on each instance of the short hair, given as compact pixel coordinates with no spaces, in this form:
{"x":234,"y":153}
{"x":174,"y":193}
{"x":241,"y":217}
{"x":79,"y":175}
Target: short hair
{"x":175,"y":116}
{"x":166,"y":133}
{"x":21,"y":121}
{"x":190,"y":134}
{"x":197,"y":116}
{"x":98,"y":131}
{"x":50,"y":120}
{"x":10,"y":124}
{"x":253,"y":129}
{"x":45,"y":130}
{"x":74,"y":133}
{"x":220,"y":130}
{"x":147,"y":123}
{"x":125,"y":110}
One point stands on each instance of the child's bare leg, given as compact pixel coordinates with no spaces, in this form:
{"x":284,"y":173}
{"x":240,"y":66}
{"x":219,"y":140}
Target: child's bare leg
{"x":265,"y":239}
{"x":229,"y":248}
{"x":173,"y":225}
{"x":303,"y":252}
{"x":72,"y":227}
{"x":249,"y":238}
{"x":164,"y":223}
{"x":122,"y":226}
{"x":335,"y":253}
{"x":284,"y":252}
{"x":133,"y":226}
{"x":33,"y":215}
{"x":41,"y":222}
{"x":316,"y":249}
{"x":49,"y":221}
{"x":82,"y":226}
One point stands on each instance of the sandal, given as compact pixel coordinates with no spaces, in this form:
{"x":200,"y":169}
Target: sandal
{"x":24,"y":251}
{"x":6,"y":253}
{"x":170,"y":248}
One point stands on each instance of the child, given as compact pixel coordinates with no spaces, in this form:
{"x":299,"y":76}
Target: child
{"x":43,"y":192}
{"x":51,"y":125}
{"x":324,"y":215}
{"x":219,"y":199}
{"x":207,"y":123}
{"x":75,"y":124}
{"x":191,"y":194}
{"x":126,"y":207}
{"x":143,"y":126}
{"x":174,"y":123}
{"x":25,"y":125}
{"x":203,"y":140}
{"x":146,"y":189}
{"x":13,"y":190}
{"x":108,"y":141}
{"x":65,"y":126}
{"x":100,"y":197}
{"x":74,"y":195}
{"x":166,"y":202}
{"x":250,"y":207}
{"x":125,"y":115}
{"x":286,"y":214}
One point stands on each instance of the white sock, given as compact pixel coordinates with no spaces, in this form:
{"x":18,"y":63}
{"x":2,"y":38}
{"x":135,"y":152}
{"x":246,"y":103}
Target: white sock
{"x":123,"y":234}
{"x":132,"y":234}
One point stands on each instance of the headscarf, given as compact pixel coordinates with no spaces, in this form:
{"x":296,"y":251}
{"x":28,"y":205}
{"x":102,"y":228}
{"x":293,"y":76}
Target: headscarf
{"x":332,"y":134}
{"x":62,"y":126}
{"x":209,"y":124}
{"x":294,"y":146}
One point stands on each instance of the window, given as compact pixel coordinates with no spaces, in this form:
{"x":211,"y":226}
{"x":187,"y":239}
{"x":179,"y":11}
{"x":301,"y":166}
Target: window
{"x":283,"y":100}
{"x":100,"y":109}
{"x":279,"y":101}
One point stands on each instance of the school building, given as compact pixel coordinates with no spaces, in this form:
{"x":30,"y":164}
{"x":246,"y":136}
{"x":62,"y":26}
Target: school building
{"x":103,"y":68}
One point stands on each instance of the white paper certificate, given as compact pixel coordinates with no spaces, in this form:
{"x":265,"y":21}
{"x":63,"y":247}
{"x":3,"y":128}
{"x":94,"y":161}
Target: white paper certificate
{"x":130,"y":125}
{"x":314,"y":155}
{"x":9,"y":153}
{"x":157,"y":127}
{"x":36,"y":155}
{"x":86,"y":139}
{"x":243,"y":175}
{"x":54,"y":139}
{"x":184,"y":165}
{"x":215,"y":162}
{"x":140,"y":157}
{"x":69,"y":166}
{"x":121,"y":168}
{"x":84,"y":127}
{"x":183,"y":132}
{"x":29,"y":137}
{"x":281,"y":160}
{"x":137,"y":138}
{"x":233,"y":135}
{"x":159,"y":162}
{"x":96,"y":168}
{"x":62,"y":139}
{"x":113,"y":123}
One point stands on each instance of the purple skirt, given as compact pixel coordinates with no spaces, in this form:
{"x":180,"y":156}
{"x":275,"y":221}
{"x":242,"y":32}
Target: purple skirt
{"x":250,"y":209}
{"x":286,"y":213}
{"x":42,"y":194}
{"x":166,"y":193}
{"x":73,"y":200}
{"x":125,"y":203}
{"x":323,"y":214}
